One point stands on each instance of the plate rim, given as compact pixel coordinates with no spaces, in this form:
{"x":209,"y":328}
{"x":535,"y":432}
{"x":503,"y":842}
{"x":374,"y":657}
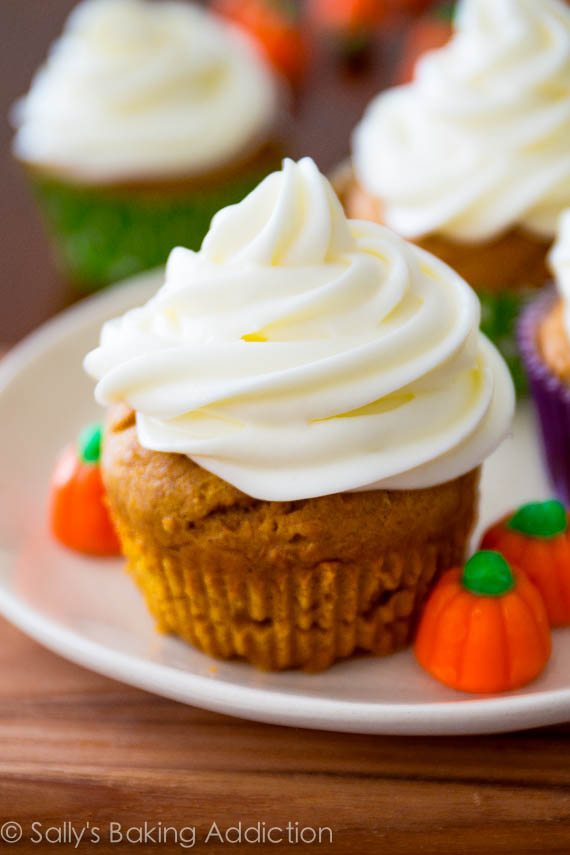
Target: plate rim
{"x":28,"y":348}
{"x":466,"y":715}
{"x":292,"y":709}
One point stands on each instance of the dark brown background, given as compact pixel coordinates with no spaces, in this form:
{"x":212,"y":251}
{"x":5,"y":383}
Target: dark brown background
{"x":78,"y":747}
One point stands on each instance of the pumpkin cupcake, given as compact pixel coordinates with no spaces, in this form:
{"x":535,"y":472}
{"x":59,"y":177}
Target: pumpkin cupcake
{"x":146,"y":119}
{"x":544,"y":337}
{"x":298,"y":418}
{"x":470,"y":160}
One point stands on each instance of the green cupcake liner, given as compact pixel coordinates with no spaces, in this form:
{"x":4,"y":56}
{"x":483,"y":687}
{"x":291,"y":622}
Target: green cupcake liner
{"x":499,"y":318}
{"x":103,"y":235}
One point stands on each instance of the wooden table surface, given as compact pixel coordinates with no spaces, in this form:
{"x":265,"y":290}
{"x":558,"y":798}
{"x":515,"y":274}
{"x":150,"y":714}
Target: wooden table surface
{"x":81,"y":748}
{"x":78,"y":748}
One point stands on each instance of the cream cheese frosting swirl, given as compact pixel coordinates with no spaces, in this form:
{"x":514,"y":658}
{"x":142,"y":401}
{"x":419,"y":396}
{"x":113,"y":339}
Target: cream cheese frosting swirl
{"x":299,"y":353}
{"x":559,"y":260}
{"x":135,"y":88}
{"x":478,"y":142}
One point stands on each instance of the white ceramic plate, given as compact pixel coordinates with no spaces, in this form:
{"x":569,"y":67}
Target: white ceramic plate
{"x":89,"y":611}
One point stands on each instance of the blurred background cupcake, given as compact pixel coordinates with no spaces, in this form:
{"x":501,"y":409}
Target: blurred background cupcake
{"x":146,"y":118}
{"x":471,"y":159}
{"x":545,"y":346}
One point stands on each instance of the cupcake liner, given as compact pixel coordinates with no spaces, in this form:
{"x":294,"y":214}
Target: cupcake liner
{"x":304,"y":617}
{"x":102,"y":235}
{"x":551,"y":398}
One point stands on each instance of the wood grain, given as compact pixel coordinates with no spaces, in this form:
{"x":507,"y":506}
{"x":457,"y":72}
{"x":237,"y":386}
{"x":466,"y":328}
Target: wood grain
{"x":78,"y":747}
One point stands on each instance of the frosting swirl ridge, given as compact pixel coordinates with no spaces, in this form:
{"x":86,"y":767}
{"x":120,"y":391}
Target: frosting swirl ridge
{"x":477,"y":143}
{"x":299,"y":353}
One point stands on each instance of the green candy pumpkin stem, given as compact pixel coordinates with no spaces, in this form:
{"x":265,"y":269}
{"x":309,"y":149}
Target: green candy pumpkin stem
{"x":446,"y":11}
{"x":487,"y":574}
{"x":89,"y":443}
{"x":540,"y":519}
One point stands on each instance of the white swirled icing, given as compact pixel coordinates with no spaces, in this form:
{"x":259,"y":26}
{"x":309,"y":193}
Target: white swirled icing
{"x":559,"y":259}
{"x":135,"y":88}
{"x":299,"y":353}
{"x":478,"y":142}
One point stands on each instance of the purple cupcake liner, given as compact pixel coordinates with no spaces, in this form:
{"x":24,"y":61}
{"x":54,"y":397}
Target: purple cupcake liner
{"x":551,"y":397}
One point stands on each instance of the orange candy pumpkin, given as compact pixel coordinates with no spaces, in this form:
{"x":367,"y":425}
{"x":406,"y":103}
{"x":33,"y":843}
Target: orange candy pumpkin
{"x":536,"y":539}
{"x":429,"y":33}
{"x":79,"y":518}
{"x":275,"y":27}
{"x":348,"y":16}
{"x":484,"y":628}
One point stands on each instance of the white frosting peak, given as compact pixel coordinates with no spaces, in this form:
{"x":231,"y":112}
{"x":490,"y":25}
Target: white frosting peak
{"x":299,"y":353}
{"x":478,"y":142}
{"x":137,"y":88}
{"x":292,"y":219}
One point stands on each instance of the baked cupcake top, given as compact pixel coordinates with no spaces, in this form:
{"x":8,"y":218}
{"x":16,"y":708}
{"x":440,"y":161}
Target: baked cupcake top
{"x":559,"y":260}
{"x":478,"y":142}
{"x":137,"y":89}
{"x":299,"y":353}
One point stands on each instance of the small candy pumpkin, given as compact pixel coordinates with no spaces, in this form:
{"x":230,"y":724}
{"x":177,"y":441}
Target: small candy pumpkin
{"x":78,"y":515}
{"x":413,"y":7}
{"x":349,"y":24}
{"x":484,"y":628}
{"x":428,"y":33}
{"x":276,"y":28}
{"x":348,"y":16}
{"x":536,"y":539}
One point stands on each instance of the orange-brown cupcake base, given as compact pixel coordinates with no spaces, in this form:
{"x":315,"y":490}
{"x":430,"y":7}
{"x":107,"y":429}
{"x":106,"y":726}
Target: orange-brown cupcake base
{"x":553,"y":343}
{"x":280,"y":584}
{"x":545,"y":352}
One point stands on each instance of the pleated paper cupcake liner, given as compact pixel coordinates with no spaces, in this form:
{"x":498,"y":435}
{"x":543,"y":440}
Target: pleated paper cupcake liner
{"x":551,"y":398}
{"x":103,"y":235}
{"x":303,"y":618}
